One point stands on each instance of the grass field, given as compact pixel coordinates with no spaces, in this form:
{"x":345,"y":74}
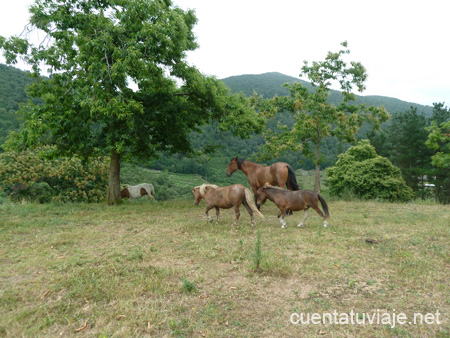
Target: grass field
{"x":158,"y":269}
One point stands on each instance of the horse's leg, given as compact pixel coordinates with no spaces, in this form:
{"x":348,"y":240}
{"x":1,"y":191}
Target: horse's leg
{"x":304,"y":218}
{"x":208,"y":208}
{"x":237,"y":214}
{"x":283,"y":222}
{"x":217,"y":214}
{"x":316,"y":208}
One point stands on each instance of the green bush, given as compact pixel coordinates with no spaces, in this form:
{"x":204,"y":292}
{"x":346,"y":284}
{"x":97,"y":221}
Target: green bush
{"x":41,"y":192}
{"x":3,"y":197}
{"x":33,"y":175}
{"x":367,"y":175}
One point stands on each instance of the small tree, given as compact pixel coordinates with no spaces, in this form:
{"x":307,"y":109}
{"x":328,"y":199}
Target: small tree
{"x":365,"y":174}
{"x":94,"y":51}
{"x":315,"y":118}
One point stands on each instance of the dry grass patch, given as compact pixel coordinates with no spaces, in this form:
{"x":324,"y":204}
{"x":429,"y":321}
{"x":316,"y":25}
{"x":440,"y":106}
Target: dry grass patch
{"x":159,"y":269}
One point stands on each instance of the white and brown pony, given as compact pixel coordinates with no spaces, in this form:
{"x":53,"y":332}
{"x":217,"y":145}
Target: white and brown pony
{"x":231,"y":196}
{"x":137,"y":191}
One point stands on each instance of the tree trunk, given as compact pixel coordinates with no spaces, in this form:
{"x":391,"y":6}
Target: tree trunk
{"x":113,"y":193}
{"x":317,"y":162}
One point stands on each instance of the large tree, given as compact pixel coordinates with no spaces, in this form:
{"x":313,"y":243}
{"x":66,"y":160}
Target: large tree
{"x":314,"y":117}
{"x":119,"y":81}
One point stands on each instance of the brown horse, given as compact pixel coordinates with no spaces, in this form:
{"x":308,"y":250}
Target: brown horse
{"x":295,"y":201}
{"x":279,"y":174}
{"x":231,"y":196}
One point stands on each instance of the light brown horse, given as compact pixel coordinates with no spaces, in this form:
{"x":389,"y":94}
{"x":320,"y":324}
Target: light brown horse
{"x":279,"y":174}
{"x":228,"y":197}
{"x":294,"y":201}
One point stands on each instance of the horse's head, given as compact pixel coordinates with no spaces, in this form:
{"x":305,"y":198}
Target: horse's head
{"x":197,"y":195}
{"x":232,"y":167}
{"x":260,"y":197}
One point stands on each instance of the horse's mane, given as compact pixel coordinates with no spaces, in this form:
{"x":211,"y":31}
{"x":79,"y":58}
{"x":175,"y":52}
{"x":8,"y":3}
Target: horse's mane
{"x":239,"y":162}
{"x":272,"y":188}
{"x":204,"y":186}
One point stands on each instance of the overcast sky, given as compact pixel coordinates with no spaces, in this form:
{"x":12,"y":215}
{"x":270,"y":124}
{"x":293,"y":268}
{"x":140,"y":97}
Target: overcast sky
{"x":404,"y":44}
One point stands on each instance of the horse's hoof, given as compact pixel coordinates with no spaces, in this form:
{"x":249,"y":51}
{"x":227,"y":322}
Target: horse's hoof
{"x":300,"y":225}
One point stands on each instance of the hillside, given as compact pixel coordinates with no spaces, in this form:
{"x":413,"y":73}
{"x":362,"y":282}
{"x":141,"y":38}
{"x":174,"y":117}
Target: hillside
{"x":270,"y":84}
{"x":12,"y":92}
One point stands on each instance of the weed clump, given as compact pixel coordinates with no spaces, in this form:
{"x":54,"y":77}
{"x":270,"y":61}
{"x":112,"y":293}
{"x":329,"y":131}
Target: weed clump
{"x":188,"y":286}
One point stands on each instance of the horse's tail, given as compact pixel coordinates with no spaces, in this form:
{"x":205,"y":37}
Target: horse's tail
{"x":324,"y":206}
{"x":292,"y":179}
{"x":251,"y":204}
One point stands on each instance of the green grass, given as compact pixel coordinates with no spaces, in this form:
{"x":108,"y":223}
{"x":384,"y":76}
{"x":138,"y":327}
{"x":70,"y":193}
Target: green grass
{"x":158,"y":269}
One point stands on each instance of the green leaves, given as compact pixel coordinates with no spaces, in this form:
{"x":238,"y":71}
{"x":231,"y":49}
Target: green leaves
{"x":367,"y":175}
{"x":12,"y":47}
{"x":439,"y":140}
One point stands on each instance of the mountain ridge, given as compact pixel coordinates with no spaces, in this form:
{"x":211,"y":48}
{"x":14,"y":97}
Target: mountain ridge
{"x":270,"y":84}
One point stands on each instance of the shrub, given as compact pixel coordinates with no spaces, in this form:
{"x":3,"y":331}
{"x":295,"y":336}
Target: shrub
{"x":367,"y":175}
{"x":35,"y":176}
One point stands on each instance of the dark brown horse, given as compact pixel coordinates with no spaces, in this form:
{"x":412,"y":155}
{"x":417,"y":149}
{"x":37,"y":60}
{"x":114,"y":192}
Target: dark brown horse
{"x":231,"y":196}
{"x":294,"y":201}
{"x":279,"y":174}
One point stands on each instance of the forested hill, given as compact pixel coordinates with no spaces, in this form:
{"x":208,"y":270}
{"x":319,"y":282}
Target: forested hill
{"x":12,"y":93}
{"x":270,"y":84}
{"x":12,"y":85}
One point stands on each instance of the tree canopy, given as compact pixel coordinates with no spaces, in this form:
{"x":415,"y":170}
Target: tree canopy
{"x":96,"y":52}
{"x":439,"y":140}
